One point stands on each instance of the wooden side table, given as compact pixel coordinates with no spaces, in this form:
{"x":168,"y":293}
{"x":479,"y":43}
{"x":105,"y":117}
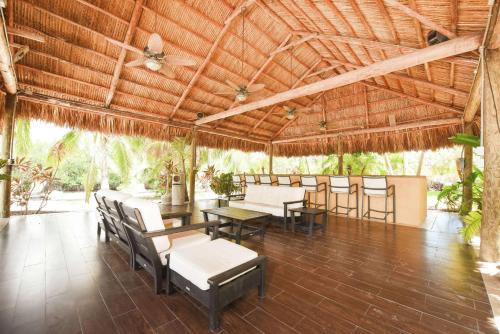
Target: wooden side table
{"x":308,"y":219}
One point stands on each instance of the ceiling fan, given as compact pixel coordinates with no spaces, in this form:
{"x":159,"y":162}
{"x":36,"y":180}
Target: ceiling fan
{"x":154,"y":59}
{"x":291,"y":112}
{"x":242,"y":91}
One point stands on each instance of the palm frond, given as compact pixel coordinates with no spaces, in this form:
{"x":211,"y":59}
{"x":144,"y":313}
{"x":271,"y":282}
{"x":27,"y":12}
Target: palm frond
{"x":121,"y":159}
{"x":22,"y":138}
{"x":472,"y":225}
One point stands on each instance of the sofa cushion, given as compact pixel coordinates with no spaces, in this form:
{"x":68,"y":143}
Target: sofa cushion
{"x":197,"y":263}
{"x":151,"y":216}
{"x":273,"y":195}
{"x":181,"y":240}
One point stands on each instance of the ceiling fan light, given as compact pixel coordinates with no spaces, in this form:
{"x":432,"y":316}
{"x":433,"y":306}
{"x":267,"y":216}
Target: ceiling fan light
{"x":290,"y":114}
{"x":152,"y":64}
{"x":240,"y":97}
{"x":322,"y":125}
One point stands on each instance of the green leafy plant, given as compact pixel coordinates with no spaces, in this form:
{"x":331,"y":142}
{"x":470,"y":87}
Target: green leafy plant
{"x":472,"y":225}
{"x":466,"y":139}
{"x":451,"y":196}
{"x":223,"y":184}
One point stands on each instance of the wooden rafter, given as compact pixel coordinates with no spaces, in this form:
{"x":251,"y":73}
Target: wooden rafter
{"x":388,"y":20}
{"x":456,"y":46}
{"x":408,"y":126}
{"x":22,"y":32}
{"x":306,"y":73}
{"x":211,"y":52}
{"x":134,"y":19}
{"x":422,"y":83}
{"x":421,"y":18}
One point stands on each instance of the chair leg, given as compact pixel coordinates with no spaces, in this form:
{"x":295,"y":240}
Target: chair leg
{"x":362,"y":207}
{"x":348,"y":207}
{"x":158,"y":283}
{"x":98,"y":230}
{"x":369,"y":209}
{"x":394,"y":208}
{"x":336,"y":204}
{"x":357,"y":204}
{"x":262,"y":284}
{"x":213,"y":310}
{"x":385,"y":211}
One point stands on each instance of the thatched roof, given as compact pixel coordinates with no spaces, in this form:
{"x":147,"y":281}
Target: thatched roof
{"x":68,"y":78}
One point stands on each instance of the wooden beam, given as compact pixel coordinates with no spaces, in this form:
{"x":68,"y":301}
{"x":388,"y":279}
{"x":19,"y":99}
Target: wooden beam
{"x":401,"y":127}
{"x":208,"y":57}
{"x":402,"y":77}
{"x":126,"y":113}
{"x":388,"y":20}
{"x":303,"y":76}
{"x":323,"y":70}
{"x":8,"y":123}
{"x":421,"y":18}
{"x":416,"y":99}
{"x":26,"y":34}
{"x":134,"y":20}
{"x":490,"y":37}
{"x":6,"y":65}
{"x":367,"y":109}
{"x":373,"y":44}
{"x":293,"y":44}
{"x":270,"y":158}
{"x":456,"y":46}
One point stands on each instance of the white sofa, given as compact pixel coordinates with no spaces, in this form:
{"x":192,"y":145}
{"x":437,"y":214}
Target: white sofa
{"x":273,"y":200}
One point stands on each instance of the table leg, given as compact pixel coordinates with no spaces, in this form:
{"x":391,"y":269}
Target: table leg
{"x":205,"y":218}
{"x":186,"y":220}
{"x":324,"y":222}
{"x":311,"y":224}
{"x":238,"y":232}
{"x":293,"y":222}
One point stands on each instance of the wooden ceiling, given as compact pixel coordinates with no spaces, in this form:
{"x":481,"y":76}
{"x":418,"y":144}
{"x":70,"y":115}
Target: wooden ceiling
{"x":75,"y":67}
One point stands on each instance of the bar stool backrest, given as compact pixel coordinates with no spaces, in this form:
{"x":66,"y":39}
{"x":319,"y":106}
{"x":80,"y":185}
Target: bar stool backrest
{"x":339,"y":184}
{"x":284,"y":181}
{"x":265,"y":179}
{"x":236,"y":180}
{"x":309,"y":182}
{"x":375,"y":185}
{"x":250,"y":179}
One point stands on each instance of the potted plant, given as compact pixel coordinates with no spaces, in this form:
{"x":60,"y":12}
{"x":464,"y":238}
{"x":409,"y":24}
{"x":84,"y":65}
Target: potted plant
{"x":222,"y":184}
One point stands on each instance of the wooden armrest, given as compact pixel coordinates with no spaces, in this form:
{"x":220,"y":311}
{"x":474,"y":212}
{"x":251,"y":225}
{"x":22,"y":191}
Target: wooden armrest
{"x":295,"y":182}
{"x":391,"y":190}
{"x":222,"y":277}
{"x":355,"y":185}
{"x":321,"y":184}
{"x":173,"y":230}
{"x":293,"y":202}
{"x":235,"y":195}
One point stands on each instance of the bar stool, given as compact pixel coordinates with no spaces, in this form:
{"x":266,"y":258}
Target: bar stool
{"x":250,"y":179}
{"x":265,"y":179}
{"x":286,"y":181}
{"x":312,"y":186}
{"x":342,"y":185}
{"x":376,"y":186}
{"x":237,"y":183}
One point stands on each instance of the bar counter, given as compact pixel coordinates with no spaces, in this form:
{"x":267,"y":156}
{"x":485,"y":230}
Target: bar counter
{"x":411,"y":197}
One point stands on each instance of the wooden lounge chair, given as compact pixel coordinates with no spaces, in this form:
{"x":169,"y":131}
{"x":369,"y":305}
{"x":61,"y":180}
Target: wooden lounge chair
{"x":213,"y":271}
{"x":110,"y":219}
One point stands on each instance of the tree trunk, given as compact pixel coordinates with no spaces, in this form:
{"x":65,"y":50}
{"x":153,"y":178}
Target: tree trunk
{"x":420,"y":163}
{"x":388,"y":164}
{"x":6,"y":153}
{"x":270,"y":158}
{"x":490,"y":226}
{"x":104,"y":163}
{"x":467,"y":188}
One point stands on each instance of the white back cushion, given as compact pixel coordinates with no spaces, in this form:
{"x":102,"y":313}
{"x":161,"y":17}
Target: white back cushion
{"x":284,"y":181}
{"x":309,"y":182}
{"x":265,"y":179}
{"x":339,"y":184}
{"x":273,"y":195}
{"x":151,"y":216}
{"x":236,"y":179}
{"x":378,"y":185}
{"x":114,"y":195}
{"x":250,"y":178}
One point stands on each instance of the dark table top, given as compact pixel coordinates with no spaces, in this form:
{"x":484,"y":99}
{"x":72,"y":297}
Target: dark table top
{"x":311,"y":211}
{"x":236,"y":213}
{"x":175,"y":211}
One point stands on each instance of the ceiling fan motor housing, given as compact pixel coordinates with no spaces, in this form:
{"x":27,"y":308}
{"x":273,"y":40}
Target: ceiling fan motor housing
{"x":435,"y":37}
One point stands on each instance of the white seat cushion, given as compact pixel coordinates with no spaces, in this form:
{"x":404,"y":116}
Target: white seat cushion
{"x":197,"y":263}
{"x":181,"y":240}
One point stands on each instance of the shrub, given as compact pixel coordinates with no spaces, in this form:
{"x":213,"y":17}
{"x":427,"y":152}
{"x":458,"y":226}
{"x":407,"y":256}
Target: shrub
{"x":71,"y":174}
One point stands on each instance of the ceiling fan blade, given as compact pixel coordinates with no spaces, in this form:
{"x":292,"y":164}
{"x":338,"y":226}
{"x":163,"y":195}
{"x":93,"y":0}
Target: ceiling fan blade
{"x":178,"y":61}
{"x":136,"y":62}
{"x":166,"y":71}
{"x":21,"y":53}
{"x":305,"y":109}
{"x":255,"y":87}
{"x":155,"y":43}
{"x":225,"y":92}
{"x":233,"y":85}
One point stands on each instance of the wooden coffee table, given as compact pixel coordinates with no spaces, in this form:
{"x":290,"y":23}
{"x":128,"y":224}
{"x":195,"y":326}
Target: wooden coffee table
{"x":237,"y":227}
{"x":308,"y":219}
{"x":182,"y":212}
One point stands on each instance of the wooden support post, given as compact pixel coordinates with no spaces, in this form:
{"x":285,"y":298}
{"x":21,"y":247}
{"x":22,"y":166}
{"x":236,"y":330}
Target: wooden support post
{"x":6,"y":153}
{"x":192,"y":169}
{"x":467,"y":188}
{"x":340,"y":156}
{"x":490,"y":226}
{"x":270,"y":158}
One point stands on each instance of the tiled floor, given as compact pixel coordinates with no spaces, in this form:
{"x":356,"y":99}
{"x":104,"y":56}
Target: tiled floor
{"x":57,"y":277}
